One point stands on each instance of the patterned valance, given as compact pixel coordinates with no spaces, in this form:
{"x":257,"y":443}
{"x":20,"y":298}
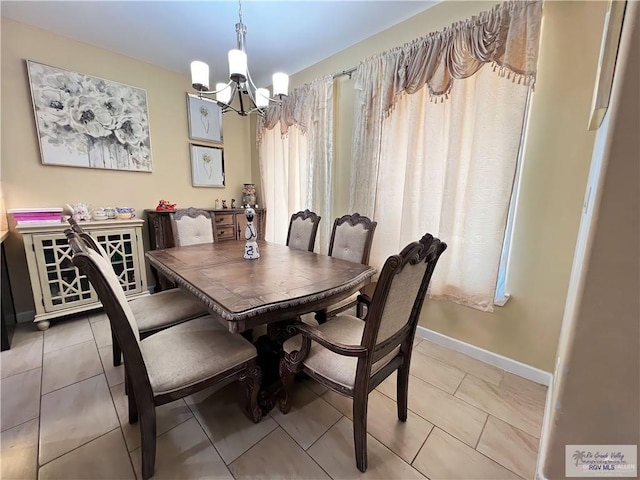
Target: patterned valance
{"x":506,"y":36}
{"x":299,"y":108}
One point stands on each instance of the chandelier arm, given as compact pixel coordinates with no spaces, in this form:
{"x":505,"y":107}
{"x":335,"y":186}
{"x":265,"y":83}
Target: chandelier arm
{"x":251,"y":92}
{"x":226,"y":108}
{"x":277,"y":101}
{"x":212,"y":92}
{"x":257,"y":110}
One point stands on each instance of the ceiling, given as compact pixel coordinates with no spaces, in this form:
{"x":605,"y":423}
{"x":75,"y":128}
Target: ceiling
{"x":283,"y":36}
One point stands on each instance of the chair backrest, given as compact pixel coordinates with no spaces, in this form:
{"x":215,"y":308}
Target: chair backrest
{"x":192,"y":226}
{"x":397,"y":301}
{"x":351,"y":238}
{"x":89,"y":240}
{"x":123,"y":324}
{"x":303,"y":228}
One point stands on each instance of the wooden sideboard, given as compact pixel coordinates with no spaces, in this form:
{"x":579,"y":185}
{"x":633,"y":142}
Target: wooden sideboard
{"x":229,"y":224}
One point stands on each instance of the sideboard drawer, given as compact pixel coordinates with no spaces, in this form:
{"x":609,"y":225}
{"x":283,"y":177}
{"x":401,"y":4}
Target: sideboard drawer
{"x":226,"y":232}
{"x":223,"y":218}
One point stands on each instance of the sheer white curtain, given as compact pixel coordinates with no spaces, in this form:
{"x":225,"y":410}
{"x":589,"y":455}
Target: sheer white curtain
{"x":436,"y":140}
{"x":451,"y":175}
{"x":283,"y":166}
{"x":295,"y":143}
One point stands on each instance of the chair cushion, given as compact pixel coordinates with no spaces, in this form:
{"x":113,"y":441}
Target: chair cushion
{"x":164,"y":309}
{"x":349,"y":242}
{"x":191,"y":352}
{"x":194,"y":231}
{"x":345,"y":329}
{"x":351,"y":300}
{"x":300,"y":236}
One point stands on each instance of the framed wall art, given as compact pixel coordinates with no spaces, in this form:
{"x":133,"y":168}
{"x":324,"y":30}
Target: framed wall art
{"x":606,"y":62}
{"x":205,"y":119}
{"x":86,"y":121}
{"x":207,"y":166}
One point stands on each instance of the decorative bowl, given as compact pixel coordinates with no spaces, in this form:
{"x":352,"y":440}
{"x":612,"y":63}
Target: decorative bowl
{"x":125,"y":216}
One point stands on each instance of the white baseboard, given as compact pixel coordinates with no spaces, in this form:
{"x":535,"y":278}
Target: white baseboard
{"x":25,"y":317}
{"x":513,"y":366}
{"x":544,"y":436}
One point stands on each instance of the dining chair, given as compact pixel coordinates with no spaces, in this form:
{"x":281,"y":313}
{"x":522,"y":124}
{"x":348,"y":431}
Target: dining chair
{"x":303,"y":228}
{"x":351,"y":239}
{"x":172,"y":364}
{"x":192,"y":226}
{"x":352,"y":357}
{"x":152,"y":312}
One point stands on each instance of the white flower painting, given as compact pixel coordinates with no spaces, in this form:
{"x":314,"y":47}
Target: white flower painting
{"x":205,"y":119}
{"x":207,"y":166}
{"x":85,"y":121}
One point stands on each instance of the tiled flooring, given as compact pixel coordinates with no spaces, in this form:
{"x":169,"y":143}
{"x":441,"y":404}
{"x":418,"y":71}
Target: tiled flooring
{"x":64,"y":416}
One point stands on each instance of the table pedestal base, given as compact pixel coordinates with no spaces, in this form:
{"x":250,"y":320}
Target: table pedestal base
{"x":270,"y":353}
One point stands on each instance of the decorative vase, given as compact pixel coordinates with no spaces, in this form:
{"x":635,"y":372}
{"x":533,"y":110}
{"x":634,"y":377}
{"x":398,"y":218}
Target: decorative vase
{"x":249,"y":195}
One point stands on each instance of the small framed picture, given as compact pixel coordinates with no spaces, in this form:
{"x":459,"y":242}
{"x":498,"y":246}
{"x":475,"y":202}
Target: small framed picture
{"x":205,"y":119}
{"x":207,"y":166}
{"x":607,"y":62}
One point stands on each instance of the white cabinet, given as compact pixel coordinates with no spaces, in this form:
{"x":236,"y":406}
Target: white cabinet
{"x":58,"y":288}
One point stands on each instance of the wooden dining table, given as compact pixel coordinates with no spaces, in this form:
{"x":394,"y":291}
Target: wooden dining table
{"x":273,"y":290}
{"x":280,"y":285}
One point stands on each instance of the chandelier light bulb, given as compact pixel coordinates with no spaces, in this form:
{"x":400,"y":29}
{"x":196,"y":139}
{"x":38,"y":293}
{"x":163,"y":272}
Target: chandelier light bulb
{"x":200,"y":75}
{"x":262,"y":98}
{"x":237,"y":65}
{"x":280,"y":84}
{"x":224,"y":93}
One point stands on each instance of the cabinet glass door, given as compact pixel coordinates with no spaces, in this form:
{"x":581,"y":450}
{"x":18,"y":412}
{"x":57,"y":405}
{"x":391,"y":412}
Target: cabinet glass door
{"x":62,"y":284}
{"x":121,"y":245}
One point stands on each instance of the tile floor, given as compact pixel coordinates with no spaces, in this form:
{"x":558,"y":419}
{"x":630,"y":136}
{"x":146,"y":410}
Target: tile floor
{"x":64,"y":416}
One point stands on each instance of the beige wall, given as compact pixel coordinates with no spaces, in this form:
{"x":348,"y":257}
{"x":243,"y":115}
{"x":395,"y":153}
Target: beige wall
{"x":555,"y":168}
{"x":596,"y":391}
{"x":556,"y":164}
{"x":28,"y":183}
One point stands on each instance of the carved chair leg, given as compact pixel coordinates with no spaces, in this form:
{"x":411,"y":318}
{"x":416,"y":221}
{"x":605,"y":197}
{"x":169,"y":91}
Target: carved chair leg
{"x":360,"y":400}
{"x":250,"y":381}
{"x":287,"y":377}
{"x":360,"y":310}
{"x":117,"y":353}
{"x":403,"y":391}
{"x":148,"y":436}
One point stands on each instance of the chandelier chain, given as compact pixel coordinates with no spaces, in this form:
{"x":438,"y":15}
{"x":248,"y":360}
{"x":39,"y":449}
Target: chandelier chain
{"x":240,"y":10}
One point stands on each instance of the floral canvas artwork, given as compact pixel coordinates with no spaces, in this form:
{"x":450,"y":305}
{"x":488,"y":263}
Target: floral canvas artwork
{"x":205,"y":119}
{"x":207,"y":166}
{"x":86,"y":121}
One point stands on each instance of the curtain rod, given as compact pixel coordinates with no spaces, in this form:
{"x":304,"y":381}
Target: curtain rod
{"x":348,"y":72}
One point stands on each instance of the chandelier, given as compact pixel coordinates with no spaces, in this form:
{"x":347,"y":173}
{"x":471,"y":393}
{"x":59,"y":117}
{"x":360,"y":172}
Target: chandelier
{"x":250,"y":98}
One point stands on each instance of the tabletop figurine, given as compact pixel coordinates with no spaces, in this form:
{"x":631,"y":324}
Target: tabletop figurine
{"x":217,"y":203}
{"x":224,"y":204}
{"x":251,"y":236}
{"x":165,"y":206}
{"x":233,"y":203}
{"x":79,"y":211}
